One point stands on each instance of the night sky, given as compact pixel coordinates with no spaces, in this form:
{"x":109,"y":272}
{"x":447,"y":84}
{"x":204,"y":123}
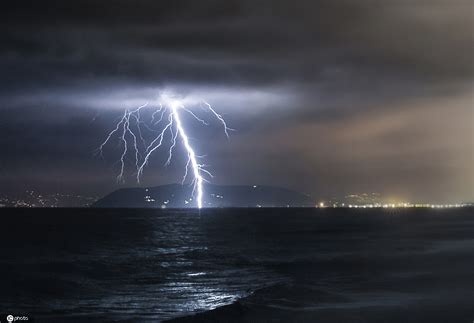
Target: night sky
{"x":327,"y":97}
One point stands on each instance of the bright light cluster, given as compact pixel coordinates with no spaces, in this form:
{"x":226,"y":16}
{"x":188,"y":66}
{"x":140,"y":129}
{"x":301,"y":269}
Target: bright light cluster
{"x":165,"y":121}
{"x":396,"y":206}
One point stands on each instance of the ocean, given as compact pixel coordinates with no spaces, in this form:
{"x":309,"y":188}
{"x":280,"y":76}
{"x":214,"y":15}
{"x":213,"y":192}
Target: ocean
{"x":237,"y":265}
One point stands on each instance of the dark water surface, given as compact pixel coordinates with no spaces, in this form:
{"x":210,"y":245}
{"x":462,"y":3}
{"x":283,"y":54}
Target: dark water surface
{"x":329,"y":265}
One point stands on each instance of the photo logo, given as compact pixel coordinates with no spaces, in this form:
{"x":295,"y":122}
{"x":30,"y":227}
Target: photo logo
{"x":11,"y":318}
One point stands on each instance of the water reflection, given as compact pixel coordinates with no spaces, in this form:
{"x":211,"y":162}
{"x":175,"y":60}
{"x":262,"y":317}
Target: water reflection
{"x":154,"y":265}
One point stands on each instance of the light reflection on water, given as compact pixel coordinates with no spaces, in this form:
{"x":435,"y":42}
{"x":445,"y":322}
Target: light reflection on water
{"x":153,"y":265}
{"x":146,"y":266}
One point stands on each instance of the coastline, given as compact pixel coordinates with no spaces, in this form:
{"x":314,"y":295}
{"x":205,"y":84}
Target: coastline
{"x":289,"y":303}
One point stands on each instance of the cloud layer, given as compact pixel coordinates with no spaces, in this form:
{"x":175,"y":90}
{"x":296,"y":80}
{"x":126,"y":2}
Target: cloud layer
{"x":328,"y":97}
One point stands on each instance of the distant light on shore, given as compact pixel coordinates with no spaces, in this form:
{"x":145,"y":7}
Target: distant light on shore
{"x":396,"y":205}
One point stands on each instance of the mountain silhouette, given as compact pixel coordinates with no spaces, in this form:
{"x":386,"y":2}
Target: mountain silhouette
{"x":180,"y":196}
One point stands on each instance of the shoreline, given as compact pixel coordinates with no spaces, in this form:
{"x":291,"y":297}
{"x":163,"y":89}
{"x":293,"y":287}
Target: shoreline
{"x":298,"y":303}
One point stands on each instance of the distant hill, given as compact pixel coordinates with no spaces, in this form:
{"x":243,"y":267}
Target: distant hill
{"x":180,"y":196}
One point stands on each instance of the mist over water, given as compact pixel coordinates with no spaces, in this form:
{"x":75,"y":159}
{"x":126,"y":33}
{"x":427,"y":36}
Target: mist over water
{"x":155,"y":265}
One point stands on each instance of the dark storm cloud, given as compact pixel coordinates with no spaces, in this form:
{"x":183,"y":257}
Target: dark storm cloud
{"x":268,"y":65}
{"x":246,"y":41}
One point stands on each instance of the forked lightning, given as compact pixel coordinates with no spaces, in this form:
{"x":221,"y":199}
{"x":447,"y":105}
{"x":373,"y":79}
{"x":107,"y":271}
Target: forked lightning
{"x":165,"y":122}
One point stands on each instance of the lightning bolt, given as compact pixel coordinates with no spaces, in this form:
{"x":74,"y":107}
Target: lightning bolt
{"x":219,"y":117}
{"x":133,"y":132}
{"x":198,"y":179}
